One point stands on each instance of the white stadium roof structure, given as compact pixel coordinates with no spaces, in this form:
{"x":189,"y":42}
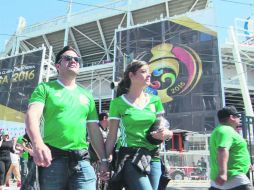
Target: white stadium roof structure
{"x":92,"y":32}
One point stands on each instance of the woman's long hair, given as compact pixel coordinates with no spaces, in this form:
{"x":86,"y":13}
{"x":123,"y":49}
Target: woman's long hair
{"x":125,"y":83}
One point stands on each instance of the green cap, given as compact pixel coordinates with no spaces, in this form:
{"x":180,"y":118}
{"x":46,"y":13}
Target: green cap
{"x":19,"y":141}
{"x":4,"y":132}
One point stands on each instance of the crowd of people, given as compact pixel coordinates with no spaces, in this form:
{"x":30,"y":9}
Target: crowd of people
{"x":15,"y":159}
{"x":65,"y":134}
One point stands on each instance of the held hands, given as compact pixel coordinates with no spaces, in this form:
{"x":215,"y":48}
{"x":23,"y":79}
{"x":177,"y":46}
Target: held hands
{"x":42,"y":155}
{"x":162,"y":134}
{"x":104,"y":173}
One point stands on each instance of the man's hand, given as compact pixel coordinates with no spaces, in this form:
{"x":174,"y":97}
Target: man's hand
{"x":251,"y":167}
{"x":221,"y":179}
{"x":42,"y":155}
{"x":104,"y":173}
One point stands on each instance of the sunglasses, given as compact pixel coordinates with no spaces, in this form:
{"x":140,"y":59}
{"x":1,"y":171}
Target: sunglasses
{"x":70,"y":58}
{"x":237,"y":115}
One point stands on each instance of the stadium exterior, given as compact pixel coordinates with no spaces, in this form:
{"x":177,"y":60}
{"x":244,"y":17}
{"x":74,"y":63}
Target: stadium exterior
{"x":93,"y":33}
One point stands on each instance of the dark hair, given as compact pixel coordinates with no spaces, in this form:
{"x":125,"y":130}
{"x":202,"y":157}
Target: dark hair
{"x":223,"y":120}
{"x":224,"y":113}
{"x":125,"y":83}
{"x":102,"y":115}
{"x":60,"y":53}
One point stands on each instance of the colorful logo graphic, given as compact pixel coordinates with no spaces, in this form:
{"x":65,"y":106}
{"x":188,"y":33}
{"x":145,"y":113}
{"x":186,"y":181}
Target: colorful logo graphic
{"x":249,"y":27}
{"x":175,"y":70}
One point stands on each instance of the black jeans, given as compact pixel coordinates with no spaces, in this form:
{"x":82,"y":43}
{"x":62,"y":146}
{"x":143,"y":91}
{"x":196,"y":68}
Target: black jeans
{"x":4,"y":167}
{"x":241,"y":187}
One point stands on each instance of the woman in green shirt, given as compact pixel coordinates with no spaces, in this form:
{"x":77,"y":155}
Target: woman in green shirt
{"x":135,"y":112}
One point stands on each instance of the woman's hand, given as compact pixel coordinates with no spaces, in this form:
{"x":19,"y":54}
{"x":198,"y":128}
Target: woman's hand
{"x":162,"y":134}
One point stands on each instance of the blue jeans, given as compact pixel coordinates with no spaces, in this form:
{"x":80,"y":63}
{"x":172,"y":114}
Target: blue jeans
{"x":136,"y":180}
{"x":24,"y":169}
{"x":63,"y":174}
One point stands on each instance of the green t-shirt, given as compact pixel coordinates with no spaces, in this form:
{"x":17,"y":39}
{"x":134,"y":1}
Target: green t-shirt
{"x":65,"y":114}
{"x":19,"y":140}
{"x":134,"y":121}
{"x":25,"y":154}
{"x":239,"y":159}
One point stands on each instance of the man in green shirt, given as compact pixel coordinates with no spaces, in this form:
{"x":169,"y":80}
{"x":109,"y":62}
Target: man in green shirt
{"x":229,"y":156}
{"x":66,"y":110}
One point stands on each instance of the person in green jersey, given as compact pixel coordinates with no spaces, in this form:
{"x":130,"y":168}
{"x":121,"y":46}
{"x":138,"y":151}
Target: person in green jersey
{"x":23,"y":158}
{"x":134,"y":111}
{"x":229,"y":156}
{"x":64,"y":110}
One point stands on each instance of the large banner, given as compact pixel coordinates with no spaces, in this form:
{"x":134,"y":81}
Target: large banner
{"x":18,"y":77}
{"x":184,"y":64}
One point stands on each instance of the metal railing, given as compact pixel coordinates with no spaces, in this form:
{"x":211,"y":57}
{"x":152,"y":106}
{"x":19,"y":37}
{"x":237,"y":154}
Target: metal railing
{"x":90,"y":64}
{"x":244,"y":33}
{"x":247,"y":132}
{"x":188,"y":168}
{"x":96,"y":12}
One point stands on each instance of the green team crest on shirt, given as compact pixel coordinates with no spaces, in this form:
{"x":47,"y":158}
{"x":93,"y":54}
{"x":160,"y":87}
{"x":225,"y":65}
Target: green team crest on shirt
{"x":58,"y":94}
{"x":128,"y":111}
{"x":152,"y":107}
{"x":83,"y":99}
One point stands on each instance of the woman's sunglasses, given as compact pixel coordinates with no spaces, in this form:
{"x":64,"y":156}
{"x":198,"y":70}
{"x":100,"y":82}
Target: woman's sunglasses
{"x":70,"y":58}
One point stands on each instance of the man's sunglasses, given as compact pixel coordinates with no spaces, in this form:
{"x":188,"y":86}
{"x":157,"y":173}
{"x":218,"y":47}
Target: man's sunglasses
{"x":70,"y":58}
{"x":237,"y":115}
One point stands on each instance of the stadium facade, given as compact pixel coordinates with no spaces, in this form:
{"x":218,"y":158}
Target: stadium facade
{"x":109,"y":35}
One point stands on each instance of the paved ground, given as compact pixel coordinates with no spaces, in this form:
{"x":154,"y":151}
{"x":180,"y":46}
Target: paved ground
{"x":182,"y":185}
{"x":13,"y":186}
{"x":188,"y":185}
{"x":169,"y":188}
{"x":187,"y":188}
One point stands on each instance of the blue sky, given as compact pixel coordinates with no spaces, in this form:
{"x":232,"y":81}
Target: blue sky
{"x":35,"y":11}
{"x":228,"y":10}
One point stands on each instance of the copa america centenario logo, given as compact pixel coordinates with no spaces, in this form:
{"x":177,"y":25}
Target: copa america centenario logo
{"x":175,"y":70}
